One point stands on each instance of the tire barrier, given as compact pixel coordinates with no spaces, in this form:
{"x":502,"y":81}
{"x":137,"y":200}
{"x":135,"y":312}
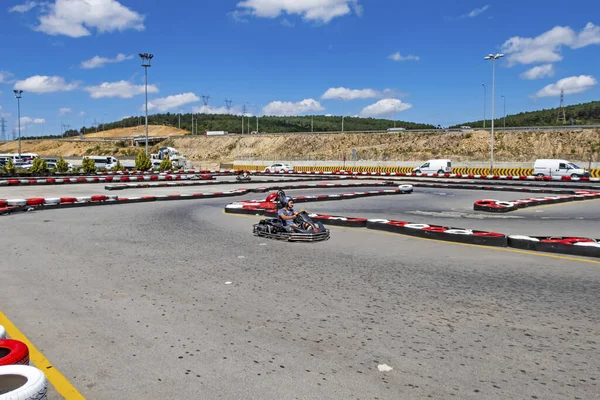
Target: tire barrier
{"x":466,"y":174}
{"x":497,"y":206}
{"x":566,"y":245}
{"x":96,"y":200}
{"x":195,"y":183}
{"x":13,"y":209}
{"x":102,"y":179}
{"x":260,"y":207}
{"x":13,"y":352}
{"x":437,"y":232}
{"x":22,"y":382}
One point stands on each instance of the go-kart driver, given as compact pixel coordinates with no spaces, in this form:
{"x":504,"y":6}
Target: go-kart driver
{"x":287,"y":213}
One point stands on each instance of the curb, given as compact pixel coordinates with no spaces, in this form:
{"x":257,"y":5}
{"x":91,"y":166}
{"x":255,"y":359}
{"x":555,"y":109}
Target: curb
{"x":102,"y":179}
{"x":438,"y":232}
{"x":497,"y":206}
{"x":565,"y":245}
{"x":196,"y":183}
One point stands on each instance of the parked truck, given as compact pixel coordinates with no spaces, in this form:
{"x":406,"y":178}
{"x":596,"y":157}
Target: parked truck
{"x":172,"y":154}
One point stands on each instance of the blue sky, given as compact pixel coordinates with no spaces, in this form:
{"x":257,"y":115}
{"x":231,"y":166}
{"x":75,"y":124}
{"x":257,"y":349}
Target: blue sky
{"x":415,"y":61}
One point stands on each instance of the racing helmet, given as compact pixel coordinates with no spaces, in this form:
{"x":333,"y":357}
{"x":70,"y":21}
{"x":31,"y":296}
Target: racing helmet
{"x":286,"y":200}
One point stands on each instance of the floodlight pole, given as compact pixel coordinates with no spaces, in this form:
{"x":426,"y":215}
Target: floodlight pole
{"x":18,"y":95}
{"x":493,"y":58}
{"x":484,"y":102}
{"x":146,"y":63}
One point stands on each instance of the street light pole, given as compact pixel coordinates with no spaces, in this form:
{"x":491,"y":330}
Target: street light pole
{"x":504,"y":99}
{"x":484,"y":102}
{"x":146,"y":63}
{"x":493,"y":58}
{"x":18,"y":95}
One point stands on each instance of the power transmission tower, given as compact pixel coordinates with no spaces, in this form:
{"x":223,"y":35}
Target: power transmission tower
{"x":205,"y":99}
{"x":3,"y":129}
{"x":228,"y":104}
{"x":14,"y":134}
{"x":561,"y":109}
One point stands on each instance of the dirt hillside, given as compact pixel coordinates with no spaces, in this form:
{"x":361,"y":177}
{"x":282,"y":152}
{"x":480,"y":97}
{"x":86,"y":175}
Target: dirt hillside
{"x":153,"y":130}
{"x":472,"y":146}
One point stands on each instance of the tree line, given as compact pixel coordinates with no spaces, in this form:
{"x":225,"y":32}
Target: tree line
{"x":577,"y":114}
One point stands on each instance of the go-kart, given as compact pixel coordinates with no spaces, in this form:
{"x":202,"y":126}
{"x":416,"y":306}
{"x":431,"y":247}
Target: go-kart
{"x":306,"y":230}
{"x":242,"y":178}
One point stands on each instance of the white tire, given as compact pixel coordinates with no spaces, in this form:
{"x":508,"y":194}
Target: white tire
{"x":416,"y":226}
{"x":52,"y":200}
{"x":379,"y":221}
{"x":16,"y":202}
{"x":22,"y":382}
{"x":587,"y":244}
{"x":2,"y":332}
{"x":84,"y":199}
{"x":522,"y":237}
{"x":405,"y":188}
{"x":459,"y":231}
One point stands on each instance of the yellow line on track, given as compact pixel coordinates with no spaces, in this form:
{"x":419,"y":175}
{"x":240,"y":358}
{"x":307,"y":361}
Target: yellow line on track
{"x":58,"y":380}
{"x":364,"y":230}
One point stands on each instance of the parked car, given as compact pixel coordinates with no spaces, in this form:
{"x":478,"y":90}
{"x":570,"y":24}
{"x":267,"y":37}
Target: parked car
{"x":279,"y":167}
{"x":435,"y":166}
{"x":550,"y":167}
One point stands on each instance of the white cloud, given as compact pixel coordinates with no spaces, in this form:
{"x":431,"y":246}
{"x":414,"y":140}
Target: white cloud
{"x":28,"y":120}
{"x":170,"y":102}
{"x":4,"y":76}
{"x":64,"y":110}
{"x":541,"y":71}
{"x":384,"y":107}
{"x":311,"y":10}
{"x":81,"y":113}
{"x":75,"y":18}
{"x":97,"y":61}
{"x":350,"y":94}
{"x":589,"y":35}
{"x":546,"y":47}
{"x":281,"y":108}
{"x":45,"y":84}
{"x":25,"y":7}
{"x":571,"y":85}
{"x":122,"y":89}
{"x":476,"y":11}
{"x":399,"y":57}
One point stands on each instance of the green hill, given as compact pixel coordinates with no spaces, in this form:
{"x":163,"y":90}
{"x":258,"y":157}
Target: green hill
{"x":582,"y":114}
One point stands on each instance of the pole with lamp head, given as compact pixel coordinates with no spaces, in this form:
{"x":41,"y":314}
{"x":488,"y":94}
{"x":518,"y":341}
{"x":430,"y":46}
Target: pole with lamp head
{"x":493,"y":58}
{"x":18,"y":95}
{"x":146,"y":58}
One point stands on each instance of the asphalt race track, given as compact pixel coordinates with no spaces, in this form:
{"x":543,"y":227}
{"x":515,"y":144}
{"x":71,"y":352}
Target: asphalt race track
{"x":179,"y":300}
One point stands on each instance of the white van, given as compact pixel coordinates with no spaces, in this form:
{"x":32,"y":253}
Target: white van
{"x":103,"y":162}
{"x":435,"y":167}
{"x":558,"y":168}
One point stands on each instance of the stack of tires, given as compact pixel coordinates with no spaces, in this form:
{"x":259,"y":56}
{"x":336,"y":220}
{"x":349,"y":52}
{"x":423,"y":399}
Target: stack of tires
{"x":18,"y":380}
